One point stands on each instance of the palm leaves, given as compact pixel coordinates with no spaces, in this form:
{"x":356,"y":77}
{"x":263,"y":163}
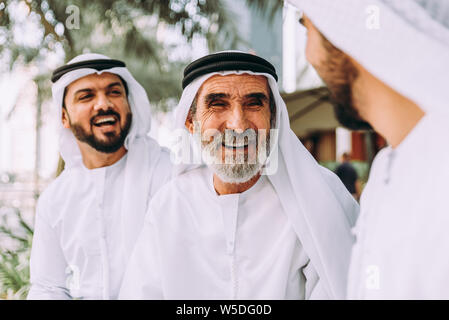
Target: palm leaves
{"x":14,"y":270}
{"x":121,"y":17}
{"x":124,"y":29}
{"x":14,"y":275}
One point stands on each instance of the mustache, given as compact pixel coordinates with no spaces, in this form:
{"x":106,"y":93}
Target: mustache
{"x":108,"y":112}
{"x":231,"y":137}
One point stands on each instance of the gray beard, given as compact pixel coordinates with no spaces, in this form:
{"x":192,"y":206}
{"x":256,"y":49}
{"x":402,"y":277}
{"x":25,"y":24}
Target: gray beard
{"x":237,"y":173}
{"x":234,"y":169}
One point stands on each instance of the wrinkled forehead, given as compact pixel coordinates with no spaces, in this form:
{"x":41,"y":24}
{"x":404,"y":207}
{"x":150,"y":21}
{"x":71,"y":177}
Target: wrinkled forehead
{"x":234,"y":84}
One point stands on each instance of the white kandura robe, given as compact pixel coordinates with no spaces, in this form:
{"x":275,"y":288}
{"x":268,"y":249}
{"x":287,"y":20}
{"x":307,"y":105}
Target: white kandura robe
{"x":198,"y":245}
{"x":79,"y":241}
{"x":402,"y":247}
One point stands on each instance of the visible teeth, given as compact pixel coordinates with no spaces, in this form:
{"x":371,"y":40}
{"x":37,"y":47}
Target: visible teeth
{"x":235,"y":145}
{"x":103,"y":120}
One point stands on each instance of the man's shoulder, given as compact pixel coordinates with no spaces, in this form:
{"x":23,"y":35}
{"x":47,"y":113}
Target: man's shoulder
{"x":179,"y":188}
{"x":182,"y":183}
{"x":60,"y":183}
{"x":436,"y":121}
{"x":57,"y":190}
{"x":437,"y":133}
{"x":160,"y":156}
{"x":164,"y":161}
{"x":430,"y":133}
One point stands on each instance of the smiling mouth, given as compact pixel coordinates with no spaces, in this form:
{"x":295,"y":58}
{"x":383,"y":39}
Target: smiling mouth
{"x":105,"y":121}
{"x":235,"y":147}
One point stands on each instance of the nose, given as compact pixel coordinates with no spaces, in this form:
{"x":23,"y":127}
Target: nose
{"x":102,"y":102}
{"x":237,"y":120}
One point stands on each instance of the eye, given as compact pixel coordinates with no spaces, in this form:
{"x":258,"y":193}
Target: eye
{"x":255,"y":103}
{"x":217,"y":104}
{"x":86,"y":96}
{"x":116,"y":92}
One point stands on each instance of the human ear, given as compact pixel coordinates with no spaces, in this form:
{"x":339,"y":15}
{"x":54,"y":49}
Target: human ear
{"x":189,"y":122}
{"x":65,"y":118}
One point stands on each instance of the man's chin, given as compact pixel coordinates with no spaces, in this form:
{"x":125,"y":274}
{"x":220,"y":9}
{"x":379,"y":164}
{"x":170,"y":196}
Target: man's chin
{"x":236,"y":173}
{"x":106,"y":131}
{"x":107,"y":148}
{"x":105,"y":144}
{"x":102,"y":140}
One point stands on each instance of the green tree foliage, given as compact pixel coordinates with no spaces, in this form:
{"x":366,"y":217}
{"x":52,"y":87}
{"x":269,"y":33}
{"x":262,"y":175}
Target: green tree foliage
{"x":124,"y":29}
{"x":14,"y":270}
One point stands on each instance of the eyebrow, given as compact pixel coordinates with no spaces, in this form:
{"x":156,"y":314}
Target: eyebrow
{"x":214,"y":96}
{"x":78,"y":92}
{"x":114,"y":84}
{"x":257,"y":95}
{"x":90,"y":90}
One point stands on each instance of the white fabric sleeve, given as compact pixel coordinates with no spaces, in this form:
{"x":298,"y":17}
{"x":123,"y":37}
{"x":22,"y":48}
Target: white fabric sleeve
{"x":47,"y":262}
{"x":142,"y":277}
{"x":314,"y":286}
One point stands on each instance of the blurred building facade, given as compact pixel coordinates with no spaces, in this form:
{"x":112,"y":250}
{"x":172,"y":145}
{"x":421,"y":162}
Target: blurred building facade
{"x":312,"y":119}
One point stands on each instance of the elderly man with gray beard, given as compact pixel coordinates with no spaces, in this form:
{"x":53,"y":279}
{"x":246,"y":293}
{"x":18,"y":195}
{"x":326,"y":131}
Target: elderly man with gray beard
{"x":259,"y":219}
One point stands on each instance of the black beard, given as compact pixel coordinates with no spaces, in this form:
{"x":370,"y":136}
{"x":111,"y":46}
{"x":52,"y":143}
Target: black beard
{"x":340,"y":74}
{"x":113,"y":143}
{"x":345,"y":112}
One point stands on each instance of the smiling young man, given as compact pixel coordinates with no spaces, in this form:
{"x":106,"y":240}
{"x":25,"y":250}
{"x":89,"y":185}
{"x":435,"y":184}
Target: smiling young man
{"x":99,"y":117}
{"x":260,"y":219}
{"x":386,"y":64}
{"x":88,"y":219}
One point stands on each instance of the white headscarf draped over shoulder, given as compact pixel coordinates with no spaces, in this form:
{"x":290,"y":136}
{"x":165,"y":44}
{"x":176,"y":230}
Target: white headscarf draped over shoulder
{"x":318,"y":205}
{"x":143,"y":152}
{"x":404,"y":43}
